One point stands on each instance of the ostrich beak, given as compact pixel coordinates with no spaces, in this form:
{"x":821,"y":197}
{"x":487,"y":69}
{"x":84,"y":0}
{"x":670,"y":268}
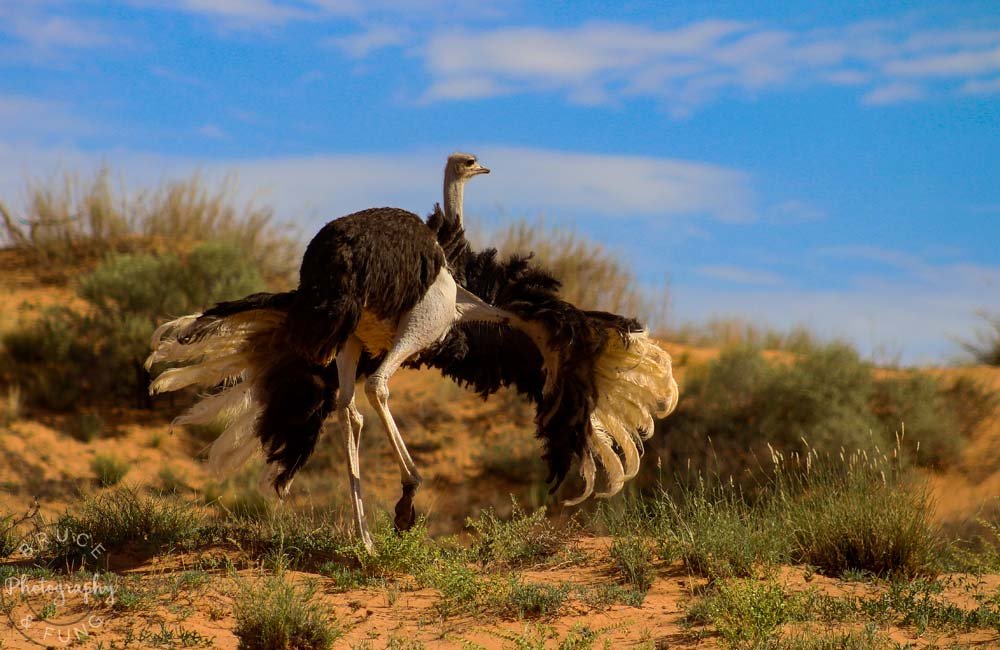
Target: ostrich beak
{"x":480,"y":170}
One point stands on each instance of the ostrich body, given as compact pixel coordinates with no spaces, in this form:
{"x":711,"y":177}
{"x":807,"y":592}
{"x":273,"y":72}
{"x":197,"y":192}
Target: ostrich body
{"x":378,"y":290}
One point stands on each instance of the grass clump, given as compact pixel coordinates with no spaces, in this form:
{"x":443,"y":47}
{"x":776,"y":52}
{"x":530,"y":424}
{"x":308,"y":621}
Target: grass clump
{"x":716,"y":532}
{"x":747,"y":612}
{"x":305,"y":540}
{"x":740,"y":404}
{"x":515,"y":598}
{"x":70,"y":222}
{"x":108,"y":470}
{"x":71,"y":357}
{"x":275,"y":615}
{"x":522,"y":540}
{"x":860,"y":515}
{"x":125,"y":518}
{"x":633,"y":558}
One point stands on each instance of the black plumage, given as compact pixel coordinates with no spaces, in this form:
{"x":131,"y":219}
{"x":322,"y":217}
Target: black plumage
{"x":487,"y":357}
{"x":381,"y":259}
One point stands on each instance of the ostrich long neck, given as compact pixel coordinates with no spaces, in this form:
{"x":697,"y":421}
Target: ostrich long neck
{"x":454,"y":195}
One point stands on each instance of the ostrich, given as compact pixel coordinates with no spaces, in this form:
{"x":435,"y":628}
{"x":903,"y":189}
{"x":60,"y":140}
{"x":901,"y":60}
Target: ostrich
{"x":379,"y":289}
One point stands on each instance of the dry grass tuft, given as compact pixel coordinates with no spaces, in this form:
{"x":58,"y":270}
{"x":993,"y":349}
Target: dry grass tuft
{"x":72,"y":223}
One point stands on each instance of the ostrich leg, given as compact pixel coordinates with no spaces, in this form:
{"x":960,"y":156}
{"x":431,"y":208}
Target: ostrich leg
{"x":351,"y":423}
{"x":421,"y":327}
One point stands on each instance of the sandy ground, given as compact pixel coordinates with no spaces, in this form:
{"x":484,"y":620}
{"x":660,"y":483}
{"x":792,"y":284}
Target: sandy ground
{"x":457,"y":449}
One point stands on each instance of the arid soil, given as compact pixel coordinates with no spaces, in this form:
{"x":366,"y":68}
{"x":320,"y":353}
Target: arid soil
{"x":460,"y":444}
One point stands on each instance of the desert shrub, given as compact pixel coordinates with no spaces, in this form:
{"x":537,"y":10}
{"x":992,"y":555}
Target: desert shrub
{"x":747,"y":612}
{"x":108,"y":470}
{"x":125,"y":518}
{"x":519,"y":541}
{"x":69,"y":358}
{"x":275,"y":615}
{"x":513,"y":597}
{"x":929,"y":424}
{"x":971,"y":403}
{"x":69,"y":223}
{"x":862,"y":513}
{"x":738,"y":405}
{"x":735,"y":332}
{"x":985,"y":348}
{"x":716,"y":532}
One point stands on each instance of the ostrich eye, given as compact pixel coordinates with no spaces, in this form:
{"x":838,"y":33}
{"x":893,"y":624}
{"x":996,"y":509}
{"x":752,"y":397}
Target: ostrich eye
{"x":468,"y":163}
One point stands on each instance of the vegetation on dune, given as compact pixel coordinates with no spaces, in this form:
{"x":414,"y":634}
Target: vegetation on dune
{"x":274,"y":614}
{"x":72,"y":357}
{"x":985,"y":347}
{"x":805,"y":458}
{"x":740,"y":404}
{"x":71,"y":223}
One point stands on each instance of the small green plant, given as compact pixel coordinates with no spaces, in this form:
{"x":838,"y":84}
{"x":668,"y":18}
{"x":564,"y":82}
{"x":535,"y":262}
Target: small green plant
{"x":109,"y":470}
{"x":87,"y":427}
{"x":272,"y":614}
{"x":125,"y":517}
{"x":633,"y":558}
{"x":747,"y":612}
{"x":513,"y":597}
{"x":170,"y":481}
{"x":716,"y":532}
{"x":522,"y":540}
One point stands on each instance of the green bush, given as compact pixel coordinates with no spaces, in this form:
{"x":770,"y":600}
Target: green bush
{"x":716,"y":532}
{"x":861,"y":514}
{"x":836,"y":513}
{"x":519,"y":541}
{"x":125,"y":518}
{"x":71,"y":358}
{"x":985,"y":348}
{"x":275,"y":615}
{"x":108,"y":470}
{"x":740,"y":405}
{"x":746,"y":612}
{"x":69,"y":224}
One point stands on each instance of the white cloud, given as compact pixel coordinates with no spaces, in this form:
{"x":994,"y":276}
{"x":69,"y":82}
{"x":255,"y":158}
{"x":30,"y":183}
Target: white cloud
{"x":796,"y":211}
{"x":39,"y":32}
{"x":704,"y":61}
{"x":917,"y":318}
{"x":532,"y":182}
{"x":212,"y":131}
{"x":22,"y":116}
{"x":236,"y":13}
{"x":267,"y":14}
{"x":981,"y":87}
{"x":363,"y":43}
{"x":893,"y":93}
{"x":740,"y":275}
{"x":910,"y":306}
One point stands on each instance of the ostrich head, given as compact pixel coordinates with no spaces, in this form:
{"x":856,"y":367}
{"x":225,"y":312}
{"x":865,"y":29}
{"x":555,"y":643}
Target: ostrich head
{"x":463,"y":166}
{"x":457,"y":172}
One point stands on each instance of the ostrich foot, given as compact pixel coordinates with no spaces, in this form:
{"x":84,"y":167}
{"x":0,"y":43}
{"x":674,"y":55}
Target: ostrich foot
{"x":406,"y":514}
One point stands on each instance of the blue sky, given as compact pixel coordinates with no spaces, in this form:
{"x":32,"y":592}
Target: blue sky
{"x":836,"y":166}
